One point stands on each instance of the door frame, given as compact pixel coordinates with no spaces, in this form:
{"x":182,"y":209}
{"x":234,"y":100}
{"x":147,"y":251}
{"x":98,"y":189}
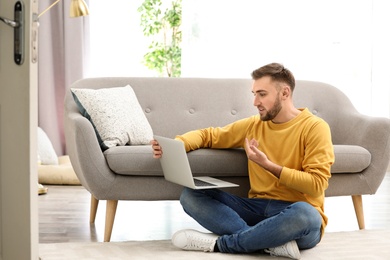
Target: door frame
{"x":19,"y":235}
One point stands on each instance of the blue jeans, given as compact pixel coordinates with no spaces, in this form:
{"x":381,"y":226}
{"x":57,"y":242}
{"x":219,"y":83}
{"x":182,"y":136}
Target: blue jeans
{"x":250,"y":225}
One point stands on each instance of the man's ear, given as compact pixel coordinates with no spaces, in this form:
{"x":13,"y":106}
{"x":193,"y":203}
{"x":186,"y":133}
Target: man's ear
{"x":286,"y":92}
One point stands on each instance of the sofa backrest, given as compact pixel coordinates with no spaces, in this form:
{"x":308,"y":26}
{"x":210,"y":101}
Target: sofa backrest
{"x":177,"y":105}
{"x":331,"y":104}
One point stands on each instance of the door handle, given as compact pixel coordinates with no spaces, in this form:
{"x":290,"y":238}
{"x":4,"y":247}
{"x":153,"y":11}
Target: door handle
{"x":18,"y":25}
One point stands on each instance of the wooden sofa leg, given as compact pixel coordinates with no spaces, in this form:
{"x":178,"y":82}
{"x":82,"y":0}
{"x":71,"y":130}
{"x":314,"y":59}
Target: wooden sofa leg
{"x":358,"y":204}
{"x":94,"y":207}
{"x":110,"y":216}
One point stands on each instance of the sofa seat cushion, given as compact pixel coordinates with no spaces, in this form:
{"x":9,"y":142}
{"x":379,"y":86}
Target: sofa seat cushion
{"x":138,"y":160}
{"x":133,"y":160}
{"x":350,"y":159}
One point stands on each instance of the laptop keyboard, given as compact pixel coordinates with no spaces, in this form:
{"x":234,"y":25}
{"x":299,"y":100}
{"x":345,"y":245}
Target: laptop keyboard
{"x":200,"y":183}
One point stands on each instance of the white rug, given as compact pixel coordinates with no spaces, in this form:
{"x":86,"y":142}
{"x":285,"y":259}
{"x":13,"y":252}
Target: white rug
{"x":363,"y":244}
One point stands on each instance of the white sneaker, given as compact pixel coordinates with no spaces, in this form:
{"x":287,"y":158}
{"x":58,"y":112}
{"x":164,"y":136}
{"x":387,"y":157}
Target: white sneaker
{"x":289,"y":250}
{"x":189,"y":239}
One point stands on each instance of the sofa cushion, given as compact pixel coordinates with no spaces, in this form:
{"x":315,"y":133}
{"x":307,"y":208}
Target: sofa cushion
{"x":350,"y":159}
{"x":138,"y":160}
{"x":117,"y":116}
{"x":133,"y":160}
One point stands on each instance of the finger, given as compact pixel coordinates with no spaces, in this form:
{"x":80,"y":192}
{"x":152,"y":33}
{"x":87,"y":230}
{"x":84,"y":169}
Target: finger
{"x":255,"y":149}
{"x":155,"y":145}
{"x":247,"y":145}
{"x":248,"y":142}
{"x":157,"y":156}
{"x":254,"y":142}
{"x":157,"y":153}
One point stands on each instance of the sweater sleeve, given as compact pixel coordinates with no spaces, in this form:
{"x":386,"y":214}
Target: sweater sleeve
{"x":230,"y":136}
{"x":316,"y":164}
{"x":196,"y":139}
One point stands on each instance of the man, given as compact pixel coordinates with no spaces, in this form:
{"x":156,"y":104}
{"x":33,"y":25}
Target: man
{"x":290,"y":153}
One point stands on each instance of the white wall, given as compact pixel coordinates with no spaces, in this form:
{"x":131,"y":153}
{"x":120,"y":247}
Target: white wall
{"x":341,"y":42}
{"x":381,"y":58}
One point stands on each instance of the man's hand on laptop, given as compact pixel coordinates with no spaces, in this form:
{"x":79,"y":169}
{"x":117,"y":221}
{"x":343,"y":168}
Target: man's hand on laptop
{"x":157,"y":150}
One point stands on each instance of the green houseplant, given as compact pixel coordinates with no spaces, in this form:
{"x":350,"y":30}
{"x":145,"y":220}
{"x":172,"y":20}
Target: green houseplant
{"x":163,"y":27}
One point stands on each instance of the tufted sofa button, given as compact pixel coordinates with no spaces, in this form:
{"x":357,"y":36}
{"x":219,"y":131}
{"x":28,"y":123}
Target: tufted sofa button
{"x":147,"y":110}
{"x":234,"y":112}
{"x":192,"y":110}
{"x":315,"y":112}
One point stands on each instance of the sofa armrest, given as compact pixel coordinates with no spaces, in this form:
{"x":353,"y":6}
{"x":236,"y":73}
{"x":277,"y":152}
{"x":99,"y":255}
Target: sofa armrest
{"x":372,"y":133}
{"x":85,"y":154}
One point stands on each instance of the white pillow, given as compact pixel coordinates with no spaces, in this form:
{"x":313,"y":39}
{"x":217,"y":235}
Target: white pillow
{"x":116,"y":115}
{"x":46,"y":153}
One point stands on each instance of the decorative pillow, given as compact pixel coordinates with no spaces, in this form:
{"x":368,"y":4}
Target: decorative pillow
{"x":46,"y":152}
{"x":116,"y":115}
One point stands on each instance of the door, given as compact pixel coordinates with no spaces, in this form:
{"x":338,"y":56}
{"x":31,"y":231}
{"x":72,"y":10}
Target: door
{"x":18,"y":148}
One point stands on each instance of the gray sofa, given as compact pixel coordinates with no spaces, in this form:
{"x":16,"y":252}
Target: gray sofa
{"x":176,"y":105}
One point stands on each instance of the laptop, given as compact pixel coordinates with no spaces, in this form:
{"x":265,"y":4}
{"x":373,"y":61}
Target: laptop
{"x":176,"y":167}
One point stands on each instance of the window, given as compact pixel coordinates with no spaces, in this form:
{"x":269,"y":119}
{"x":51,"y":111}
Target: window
{"x":343,"y":43}
{"x":116,"y":39}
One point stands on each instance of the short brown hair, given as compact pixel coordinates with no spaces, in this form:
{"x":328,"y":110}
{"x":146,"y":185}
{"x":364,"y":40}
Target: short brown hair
{"x":277,"y":72}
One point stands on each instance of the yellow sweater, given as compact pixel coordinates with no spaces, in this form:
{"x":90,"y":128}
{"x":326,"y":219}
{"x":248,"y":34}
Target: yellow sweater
{"x":303,"y":146}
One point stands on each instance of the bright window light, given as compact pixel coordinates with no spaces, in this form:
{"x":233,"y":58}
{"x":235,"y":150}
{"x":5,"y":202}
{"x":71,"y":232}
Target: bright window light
{"x":343,"y":43}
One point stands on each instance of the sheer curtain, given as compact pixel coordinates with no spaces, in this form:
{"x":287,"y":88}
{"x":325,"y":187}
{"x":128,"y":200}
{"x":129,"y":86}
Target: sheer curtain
{"x":63,"y":55}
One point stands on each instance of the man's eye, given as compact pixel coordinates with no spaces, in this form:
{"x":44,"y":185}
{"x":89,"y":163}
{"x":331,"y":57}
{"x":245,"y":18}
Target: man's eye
{"x":259,"y":94}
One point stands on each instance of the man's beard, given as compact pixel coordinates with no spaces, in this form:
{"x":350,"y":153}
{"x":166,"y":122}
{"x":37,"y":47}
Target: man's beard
{"x":273,"y":112}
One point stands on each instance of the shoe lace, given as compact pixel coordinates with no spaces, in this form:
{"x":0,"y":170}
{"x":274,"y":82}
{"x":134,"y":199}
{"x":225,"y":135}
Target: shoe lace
{"x":201,"y":243}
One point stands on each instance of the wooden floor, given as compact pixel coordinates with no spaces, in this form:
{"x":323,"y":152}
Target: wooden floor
{"x":64,"y":216}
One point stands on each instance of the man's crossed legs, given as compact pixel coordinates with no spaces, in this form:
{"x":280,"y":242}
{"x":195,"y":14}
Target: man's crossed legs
{"x":243,"y":225}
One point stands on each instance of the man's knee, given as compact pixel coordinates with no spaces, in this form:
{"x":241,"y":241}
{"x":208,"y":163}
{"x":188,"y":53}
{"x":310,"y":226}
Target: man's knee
{"x":189,"y":199}
{"x":309,"y":221}
{"x":185,"y":195}
{"x":306,"y":215}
